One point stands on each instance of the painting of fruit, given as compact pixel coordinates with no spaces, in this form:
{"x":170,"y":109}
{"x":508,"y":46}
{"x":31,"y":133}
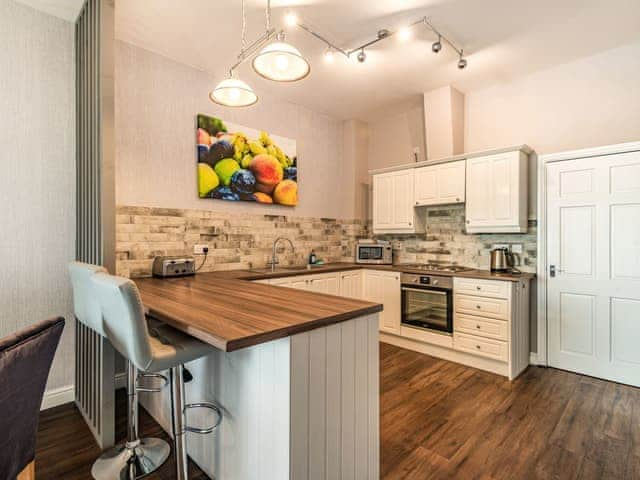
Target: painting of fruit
{"x":239,"y":163}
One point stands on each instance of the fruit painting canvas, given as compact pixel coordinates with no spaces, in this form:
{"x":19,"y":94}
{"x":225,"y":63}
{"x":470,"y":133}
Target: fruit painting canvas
{"x":239,"y":163}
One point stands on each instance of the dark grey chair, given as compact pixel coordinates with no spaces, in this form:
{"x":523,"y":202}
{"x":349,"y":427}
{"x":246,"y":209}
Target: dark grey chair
{"x":25,"y":361}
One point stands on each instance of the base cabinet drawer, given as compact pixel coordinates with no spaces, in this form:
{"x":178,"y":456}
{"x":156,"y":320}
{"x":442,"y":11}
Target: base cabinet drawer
{"x":481,"y":306}
{"x":483,"y":327}
{"x":482,"y":288}
{"x":483,"y":347}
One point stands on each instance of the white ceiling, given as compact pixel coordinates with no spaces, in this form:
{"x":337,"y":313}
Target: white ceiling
{"x":65,"y":9}
{"x":503,"y":38}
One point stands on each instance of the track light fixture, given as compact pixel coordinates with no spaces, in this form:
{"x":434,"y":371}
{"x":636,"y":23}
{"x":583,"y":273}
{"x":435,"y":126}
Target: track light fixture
{"x":462,"y":62}
{"x":437,"y":45}
{"x":403,"y":33}
{"x":328,"y":55}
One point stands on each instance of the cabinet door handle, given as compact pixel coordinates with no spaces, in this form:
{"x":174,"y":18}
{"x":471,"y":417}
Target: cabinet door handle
{"x":457,"y":199}
{"x":478,"y":347}
{"x":478,"y":306}
{"x":478,"y":327}
{"x":468,"y":221}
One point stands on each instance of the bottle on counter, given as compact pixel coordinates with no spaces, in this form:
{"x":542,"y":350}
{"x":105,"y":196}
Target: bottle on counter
{"x":312,"y":258}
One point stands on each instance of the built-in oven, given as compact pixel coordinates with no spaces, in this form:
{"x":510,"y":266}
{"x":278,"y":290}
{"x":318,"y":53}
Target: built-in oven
{"x":427,"y":302}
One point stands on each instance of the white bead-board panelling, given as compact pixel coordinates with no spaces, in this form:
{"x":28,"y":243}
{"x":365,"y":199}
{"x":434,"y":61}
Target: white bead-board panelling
{"x":252,"y":388}
{"x":37,"y":175}
{"x":300,"y":408}
{"x":335,"y":384}
{"x":157,"y":100}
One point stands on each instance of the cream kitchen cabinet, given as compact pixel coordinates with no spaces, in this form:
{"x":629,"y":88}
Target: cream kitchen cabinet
{"x":496,"y":189}
{"x":440,"y":184}
{"x":351,"y":283}
{"x":328,"y":283}
{"x":384,"y":287}
{"x":393,"y":210}
{"x":491,"y":321}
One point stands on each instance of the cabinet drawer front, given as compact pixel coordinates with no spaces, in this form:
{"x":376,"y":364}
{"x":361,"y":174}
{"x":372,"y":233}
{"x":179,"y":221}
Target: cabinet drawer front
{"x":482,"y":288}
{"x":483,"y":347}
{"x":484,"y":327}
{"x":484,"y":307}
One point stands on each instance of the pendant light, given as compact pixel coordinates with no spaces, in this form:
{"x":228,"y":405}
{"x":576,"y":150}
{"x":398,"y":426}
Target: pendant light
{"x":233,"y":92}
{"x":280,"y":61}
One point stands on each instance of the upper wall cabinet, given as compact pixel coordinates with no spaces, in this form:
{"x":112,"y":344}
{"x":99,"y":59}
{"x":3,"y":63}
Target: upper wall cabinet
{"x":393,"y":203}
{"x":497,"y":193}
{"x":440,"y":184}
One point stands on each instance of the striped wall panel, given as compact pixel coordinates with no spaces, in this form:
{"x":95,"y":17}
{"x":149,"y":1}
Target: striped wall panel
{"x":95,"y":204}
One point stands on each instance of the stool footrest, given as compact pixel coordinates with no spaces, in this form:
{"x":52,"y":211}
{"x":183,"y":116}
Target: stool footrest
{"x":164,"y":379}
{"x":210,"y":406}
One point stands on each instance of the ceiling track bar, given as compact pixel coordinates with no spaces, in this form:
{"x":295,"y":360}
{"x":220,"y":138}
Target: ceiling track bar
{"x":382,"y":35}
{"x":245,"y":54}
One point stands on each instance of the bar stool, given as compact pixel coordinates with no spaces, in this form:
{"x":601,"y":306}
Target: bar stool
{"x":136,"y":457}
{"x":164,"y":349}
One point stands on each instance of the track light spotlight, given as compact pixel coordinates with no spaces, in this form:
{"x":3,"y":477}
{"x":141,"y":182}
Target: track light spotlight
{"x":291,"y":19}
{"x":437,"y":46}
{"x":328,"y":55}
{"x":361,"y":56}
{"x":462,"y":63}
{"x":404,"y":33}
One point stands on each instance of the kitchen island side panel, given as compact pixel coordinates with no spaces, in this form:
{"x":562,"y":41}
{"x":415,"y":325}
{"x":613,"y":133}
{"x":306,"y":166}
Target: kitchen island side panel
{"x":252,"y":388}
{"x":335,"y":402}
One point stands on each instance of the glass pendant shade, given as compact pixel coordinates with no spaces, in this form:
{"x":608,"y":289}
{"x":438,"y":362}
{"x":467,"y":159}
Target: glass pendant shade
{"x":281,"y":62}
{"x":233,"y":92}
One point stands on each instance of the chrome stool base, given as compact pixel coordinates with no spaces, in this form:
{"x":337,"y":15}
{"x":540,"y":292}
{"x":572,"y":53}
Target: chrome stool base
{"x":124,"y":462}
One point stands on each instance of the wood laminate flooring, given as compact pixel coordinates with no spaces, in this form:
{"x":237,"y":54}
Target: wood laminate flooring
{"x":441,"y":420}
{"x":66,"y":450}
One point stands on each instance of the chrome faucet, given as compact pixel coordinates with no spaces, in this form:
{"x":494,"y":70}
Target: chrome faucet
{"x":274,"y":257}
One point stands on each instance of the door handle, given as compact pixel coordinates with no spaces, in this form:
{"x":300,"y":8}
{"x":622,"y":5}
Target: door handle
{"x":553,"y":270}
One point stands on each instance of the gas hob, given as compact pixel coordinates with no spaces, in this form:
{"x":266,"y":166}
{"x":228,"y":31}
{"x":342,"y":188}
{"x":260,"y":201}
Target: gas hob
{"x":434,"y":267}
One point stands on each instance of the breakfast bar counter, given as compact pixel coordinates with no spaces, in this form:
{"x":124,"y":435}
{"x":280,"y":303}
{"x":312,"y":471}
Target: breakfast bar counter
{"x":232,"y":313}
{"x":296,"y":374}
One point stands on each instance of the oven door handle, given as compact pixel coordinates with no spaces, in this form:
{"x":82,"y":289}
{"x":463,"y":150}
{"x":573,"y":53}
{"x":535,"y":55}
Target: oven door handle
{"x":424,"y":290}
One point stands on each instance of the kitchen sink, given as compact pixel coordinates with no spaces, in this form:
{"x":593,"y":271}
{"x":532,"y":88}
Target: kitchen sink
{"x":287,"y":269}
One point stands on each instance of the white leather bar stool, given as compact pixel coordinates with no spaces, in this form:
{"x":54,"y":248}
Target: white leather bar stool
{"x":136,"y":457}
{"x":164,"y":349}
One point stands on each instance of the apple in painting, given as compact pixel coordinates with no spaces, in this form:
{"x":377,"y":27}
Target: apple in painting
{"x":203,"y":137}
{"x":286,"y":193}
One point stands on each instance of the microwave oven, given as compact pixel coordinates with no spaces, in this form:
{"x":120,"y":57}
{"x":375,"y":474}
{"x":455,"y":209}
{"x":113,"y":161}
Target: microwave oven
{"x":375,"y":253}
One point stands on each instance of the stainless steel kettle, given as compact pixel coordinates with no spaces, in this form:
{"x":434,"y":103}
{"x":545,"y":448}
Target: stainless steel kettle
{"x":501,"y":260}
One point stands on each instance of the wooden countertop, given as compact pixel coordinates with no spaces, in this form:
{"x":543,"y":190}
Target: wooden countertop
{"x":342,"y":266}
{"x":230,"y":313}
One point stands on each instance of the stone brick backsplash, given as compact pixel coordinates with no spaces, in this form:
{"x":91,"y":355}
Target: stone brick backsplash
{"x":239,"y":241}
{"x":445,"y":241}
{"x":235,"y":241}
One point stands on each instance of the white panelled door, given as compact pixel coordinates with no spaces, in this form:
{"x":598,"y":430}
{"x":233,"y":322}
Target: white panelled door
{"x":593,"y":300}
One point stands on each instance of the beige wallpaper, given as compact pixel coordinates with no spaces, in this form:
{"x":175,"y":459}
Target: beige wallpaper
{"x":37,"y":174}
{"x":157,"y":100}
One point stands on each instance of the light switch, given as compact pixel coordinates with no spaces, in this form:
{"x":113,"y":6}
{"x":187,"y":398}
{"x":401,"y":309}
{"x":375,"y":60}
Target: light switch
{"x":516,"y":248}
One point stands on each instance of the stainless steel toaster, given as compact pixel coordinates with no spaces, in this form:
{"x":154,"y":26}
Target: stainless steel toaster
{"x":177,"y":266}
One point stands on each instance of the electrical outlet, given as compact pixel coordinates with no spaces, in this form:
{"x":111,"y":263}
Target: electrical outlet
{"x":501,"y":245}
{"x":198,"y":249}
{"x":517,"y":248}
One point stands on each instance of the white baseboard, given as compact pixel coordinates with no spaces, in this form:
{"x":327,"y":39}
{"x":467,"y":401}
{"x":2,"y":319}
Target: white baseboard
{"x":57,"y":396}
{"x":60,"y":396}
